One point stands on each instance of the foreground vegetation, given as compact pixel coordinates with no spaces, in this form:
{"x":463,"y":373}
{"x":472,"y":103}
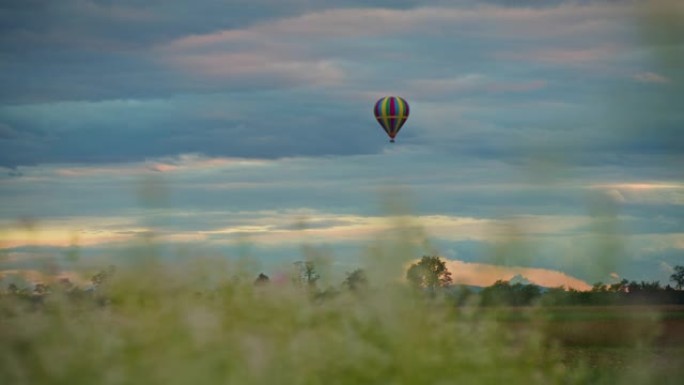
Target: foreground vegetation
{"x":157,"y":324}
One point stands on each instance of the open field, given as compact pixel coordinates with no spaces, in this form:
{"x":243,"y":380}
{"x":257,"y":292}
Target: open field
{"x":603,"y":326}
{"x":621,"y":365}
{"x":619,"y":343}
{"x":615,"y":344}
{"x":661,"y":326}
{"x":159,"y":328}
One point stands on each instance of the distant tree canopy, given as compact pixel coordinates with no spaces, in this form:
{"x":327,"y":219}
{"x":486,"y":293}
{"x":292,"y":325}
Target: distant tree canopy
{"x":678,"y":277}
{"x":503,"y":293}
{"x":625,"y":286}
{"x":430,"y":273}
{"x":356,"y":280}
{"x":307,"y":273}
{"x":103,"y":275}
{"x":262,"y":279}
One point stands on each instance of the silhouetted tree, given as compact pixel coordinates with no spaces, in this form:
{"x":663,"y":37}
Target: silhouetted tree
{"x":633,"y":287}
{"x":496,"y":294}
{"x":262,"y":279}
{"x":650,"y":287}
{"x":503,"y":293}
{"x":102,"y":276}
{"x":644,"y":287}
{"x":65,"y":285}
{"x":526,"y":294}
{"x":324,"y":295}
{"x":678,"y":277}
{"x":430,"y":273}
{"x":41,"y":289}
{"x":599,"y":287}
{"x":619,"y":287}
{"x":356,"y":280}
{"x":307,"y":273}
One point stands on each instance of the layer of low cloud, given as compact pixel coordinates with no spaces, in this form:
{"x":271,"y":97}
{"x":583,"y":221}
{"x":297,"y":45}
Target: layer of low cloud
{"x":486,"y":213}
{"x":479,"y":274}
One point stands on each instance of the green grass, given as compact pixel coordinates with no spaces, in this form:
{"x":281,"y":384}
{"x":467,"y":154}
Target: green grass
{"x":620,"y":365}
{"x":170,"y":326}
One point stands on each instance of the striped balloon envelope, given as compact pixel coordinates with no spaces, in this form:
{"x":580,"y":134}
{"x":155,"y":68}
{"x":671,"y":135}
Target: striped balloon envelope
{"x":391,"y":112}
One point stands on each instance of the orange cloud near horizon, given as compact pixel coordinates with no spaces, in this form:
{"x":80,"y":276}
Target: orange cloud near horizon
{"x":481,"y":274}
{"x":465,"y":273}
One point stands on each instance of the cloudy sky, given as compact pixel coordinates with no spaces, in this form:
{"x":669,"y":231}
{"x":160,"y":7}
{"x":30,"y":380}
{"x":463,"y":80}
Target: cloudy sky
{"x":545,"y":137}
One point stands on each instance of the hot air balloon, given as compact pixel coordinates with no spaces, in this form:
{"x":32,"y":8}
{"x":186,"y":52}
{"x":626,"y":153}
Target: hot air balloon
{"x":391,"y":112}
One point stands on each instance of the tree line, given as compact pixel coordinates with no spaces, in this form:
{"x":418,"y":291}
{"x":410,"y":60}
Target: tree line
{"x":430,"y":277}
{"x":431,"y":274}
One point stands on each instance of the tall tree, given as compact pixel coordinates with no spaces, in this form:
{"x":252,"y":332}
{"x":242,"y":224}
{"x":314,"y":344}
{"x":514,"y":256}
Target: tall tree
{"x":262,"y":279}
{"x":307,"y":273}
{"x":678,"y":277}
{"x":430,"y":273}
{"x":13,"y":289}
{"x":356,"y":280}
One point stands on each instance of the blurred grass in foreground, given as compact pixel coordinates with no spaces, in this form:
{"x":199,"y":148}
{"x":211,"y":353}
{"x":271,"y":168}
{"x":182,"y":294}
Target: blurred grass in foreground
{"x":159,"y":328}
{"x":163,"y":324}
